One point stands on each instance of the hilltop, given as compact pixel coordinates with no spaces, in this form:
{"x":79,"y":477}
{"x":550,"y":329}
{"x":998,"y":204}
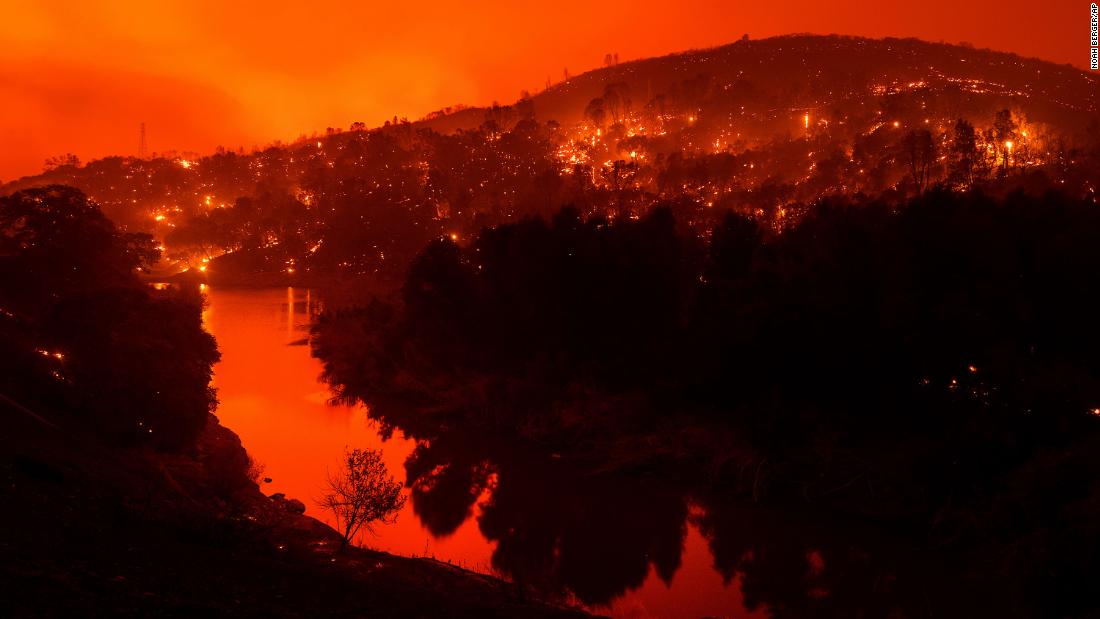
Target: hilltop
{"x":763,"y":128}
{"x":813,"y":72}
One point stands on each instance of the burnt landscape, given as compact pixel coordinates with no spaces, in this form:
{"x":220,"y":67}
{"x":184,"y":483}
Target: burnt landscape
{"x":795,"y":326}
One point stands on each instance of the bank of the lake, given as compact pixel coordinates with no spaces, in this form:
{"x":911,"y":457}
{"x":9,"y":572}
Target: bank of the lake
{"x":271,"y":394}
{"x":135,"y":533}
{"x":89,"y":528}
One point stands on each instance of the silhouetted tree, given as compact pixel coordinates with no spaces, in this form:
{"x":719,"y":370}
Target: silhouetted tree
{"x":616,"y":100}
{"x":596,"y":112}
{"x":920,"y":154}
{"x":906,"y":362}
{"x":361,"y":493}
{"x":964,"y":153}
{"x":61,"y":161}
{"x":1004,"y":135}
{"x":129,"y":362}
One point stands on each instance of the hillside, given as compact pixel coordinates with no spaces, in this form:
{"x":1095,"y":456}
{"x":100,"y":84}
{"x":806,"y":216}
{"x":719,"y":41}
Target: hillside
{"x":764,"y":128}
{"x":122,"y":492}
{"x":138,"y":534}
{"x":807,"y":320}
{"x":815,"y":72}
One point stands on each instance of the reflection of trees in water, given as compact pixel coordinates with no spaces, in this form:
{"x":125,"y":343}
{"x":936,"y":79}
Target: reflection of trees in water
{"x":799,"y":564}
{"x":445,"y":484}
{"x":561,"y":528}
{"x":922,"y":372}
{"x":557,"y":528}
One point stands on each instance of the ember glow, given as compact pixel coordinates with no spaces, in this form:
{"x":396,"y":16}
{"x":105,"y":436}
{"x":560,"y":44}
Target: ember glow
{"x":80,"y":77}
{"x":628,"y":309}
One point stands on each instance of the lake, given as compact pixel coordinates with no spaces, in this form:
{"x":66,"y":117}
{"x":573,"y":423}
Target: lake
{"x":271,"y":395}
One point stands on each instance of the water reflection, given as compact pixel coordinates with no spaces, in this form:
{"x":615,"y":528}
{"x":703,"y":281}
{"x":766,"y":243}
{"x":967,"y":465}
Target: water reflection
{"x":270,"y":395}
{"x":487,"y":504}
{"x":566,"y":528}
{"x":555,"y":527}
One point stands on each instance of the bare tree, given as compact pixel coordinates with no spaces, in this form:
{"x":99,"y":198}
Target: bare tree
{"x":361,"y":493}
{"x":616,"y":100}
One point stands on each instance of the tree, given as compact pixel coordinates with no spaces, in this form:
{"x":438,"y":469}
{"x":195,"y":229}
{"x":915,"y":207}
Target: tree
{"x":55,"y":242}
{"x":595,"y":112}
{"x":920,"y":153}
{"x":616,"y":100}
{"x":964,"y":149}
{"x":361,"y":493}
{"x":85,"y":337}
{"x":61,"y":161}
{"x":1004,"y":132}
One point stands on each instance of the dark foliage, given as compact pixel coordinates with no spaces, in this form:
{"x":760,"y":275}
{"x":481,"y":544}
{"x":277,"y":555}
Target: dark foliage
{"x":83,"y":338}
{"x":928,"y":368}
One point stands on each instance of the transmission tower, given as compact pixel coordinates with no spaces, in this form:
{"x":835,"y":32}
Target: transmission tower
{"x":143,"y":148}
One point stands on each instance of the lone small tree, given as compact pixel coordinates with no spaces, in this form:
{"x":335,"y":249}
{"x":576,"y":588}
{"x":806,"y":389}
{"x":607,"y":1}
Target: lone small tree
{"x":361,"y":493}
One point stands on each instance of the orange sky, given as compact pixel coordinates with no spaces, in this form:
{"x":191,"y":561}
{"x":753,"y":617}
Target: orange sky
{"x":80,"y":76}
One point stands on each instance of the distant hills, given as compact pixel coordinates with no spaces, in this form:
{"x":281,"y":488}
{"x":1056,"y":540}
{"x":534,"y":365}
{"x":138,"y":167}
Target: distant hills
{"x":819,"y":71}
{"x":765,"y":128}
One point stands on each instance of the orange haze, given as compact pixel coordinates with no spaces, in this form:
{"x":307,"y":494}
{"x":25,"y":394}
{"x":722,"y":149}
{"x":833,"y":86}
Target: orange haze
{"x":76,"y":77}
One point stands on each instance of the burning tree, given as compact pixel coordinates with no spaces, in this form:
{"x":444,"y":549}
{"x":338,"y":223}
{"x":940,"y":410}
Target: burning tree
{"x":361,"y":493}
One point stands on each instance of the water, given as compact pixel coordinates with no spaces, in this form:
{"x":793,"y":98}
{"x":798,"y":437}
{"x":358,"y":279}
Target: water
{"x":271,"y":395}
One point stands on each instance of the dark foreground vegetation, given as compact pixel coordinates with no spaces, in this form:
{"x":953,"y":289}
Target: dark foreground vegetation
{"x":880,"y":411}
{"x":81,"y":335}
{"x":121,"y":493}
{"x":829,"y":300}
{"x":88,"y":530}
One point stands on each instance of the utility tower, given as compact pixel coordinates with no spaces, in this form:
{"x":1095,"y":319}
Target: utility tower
{"x":143,"y":148}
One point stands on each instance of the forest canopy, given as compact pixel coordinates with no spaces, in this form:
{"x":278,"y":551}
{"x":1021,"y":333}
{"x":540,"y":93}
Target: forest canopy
{"x":84,"y":339}
{"x":921,"y":363}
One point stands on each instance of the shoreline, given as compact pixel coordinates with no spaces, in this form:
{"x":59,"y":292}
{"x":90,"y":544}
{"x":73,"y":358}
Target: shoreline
{"x":170,"y":535}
